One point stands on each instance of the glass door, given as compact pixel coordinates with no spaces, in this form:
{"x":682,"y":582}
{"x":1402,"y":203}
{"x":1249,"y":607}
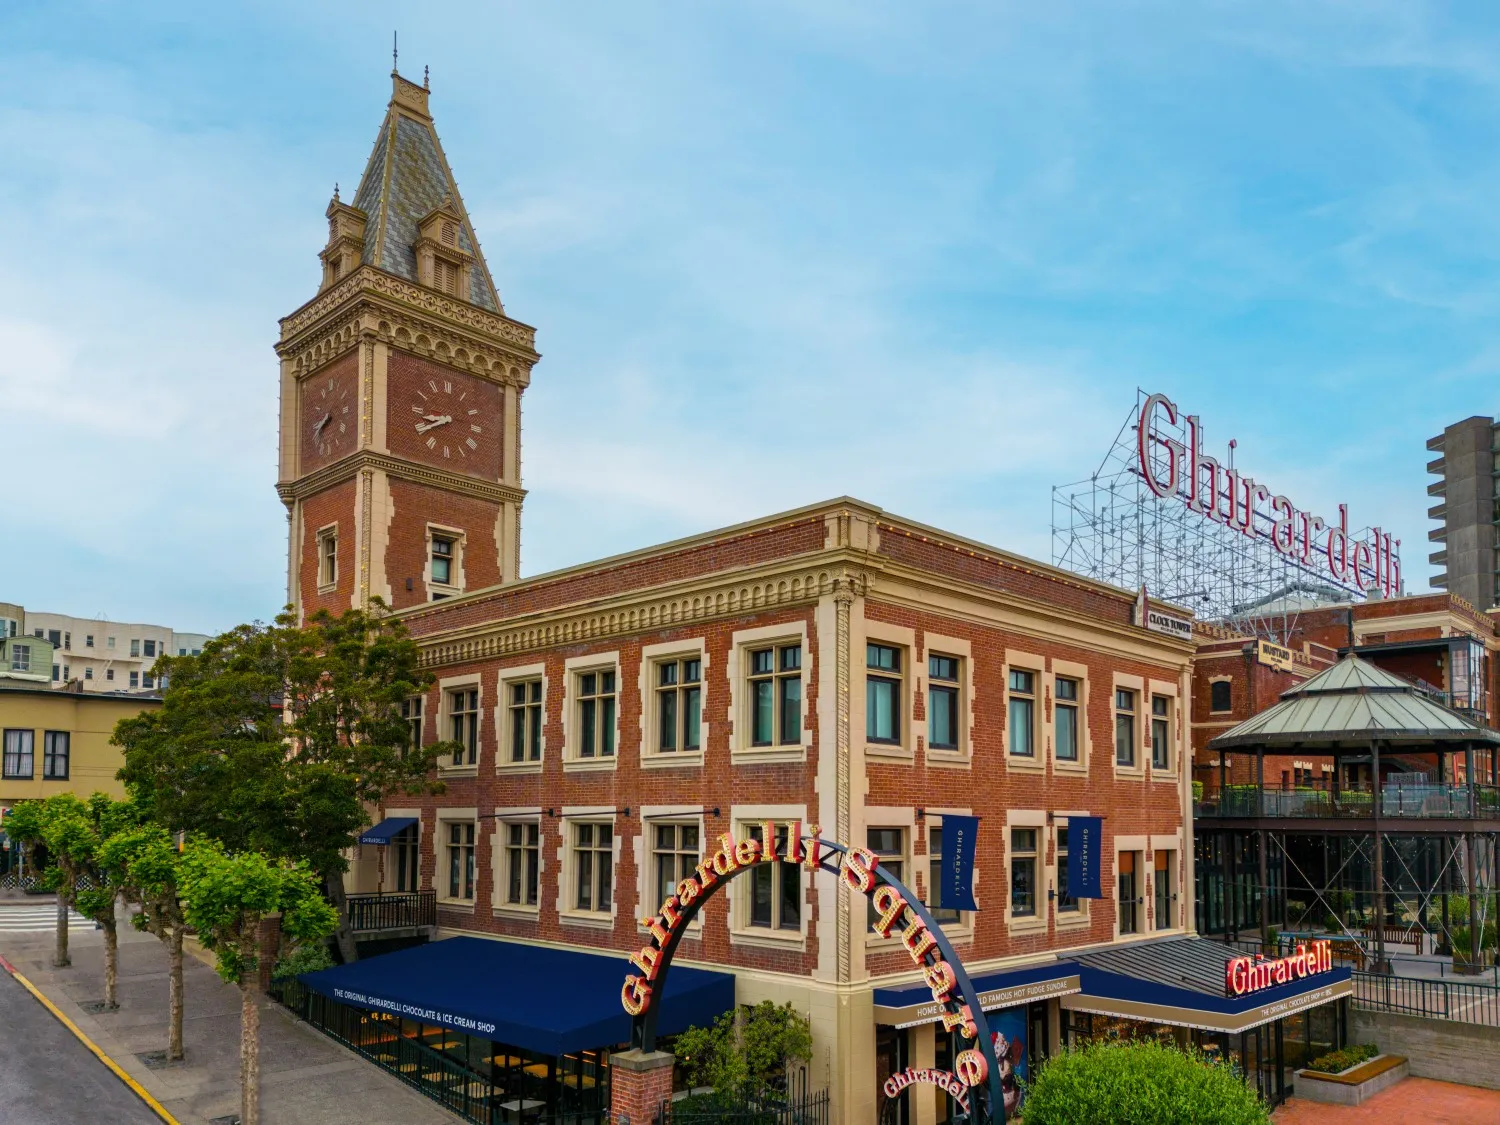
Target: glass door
{"x":1129,"y":895}
{"x":890,"y":1058}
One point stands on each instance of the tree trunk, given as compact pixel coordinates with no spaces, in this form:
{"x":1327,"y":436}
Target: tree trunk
{"x":111,"y":963}
{"x":60,"y":958}
{"x":333,"y":882}
{"x":249,"y":1051}
{"x":174,"y":994}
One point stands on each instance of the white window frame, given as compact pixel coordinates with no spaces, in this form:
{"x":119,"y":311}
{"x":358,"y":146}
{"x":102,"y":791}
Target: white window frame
{"x":1063,"y":919}
{"x":908,"y":726}
{"x":1140,"y":845}
{"x":935,"y":644}
{"x":1220,"y":680}
{"x":508,"y":679}
{"x":1173,"y":846}
{"x":652,"y":656}
{"x":963,"y":928}
{"x":504,"y":821}
{"x":741,"y":699}
{"x":568,"y":913}
{"x":574,"y":668}
{"x":443,"y":860}
{"x":904,"y":821}
{"x":328,"y":576}
{"x":1035,"y":819}
{"x":1123,"y":682}
{"x":1041,"y":728}
{"x":446,"y":688}
{"x":741,"y":819}
{"x":652,"y":818}
{"x":1070,"y":671}
{"x":1166,"y":689}
{"x":456,"y":565}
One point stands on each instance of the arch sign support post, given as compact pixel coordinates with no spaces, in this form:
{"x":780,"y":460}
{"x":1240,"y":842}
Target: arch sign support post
{"x":975,"y":1069}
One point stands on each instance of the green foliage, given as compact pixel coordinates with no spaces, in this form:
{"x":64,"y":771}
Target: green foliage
{"x":142,"y":862}
{"x":1197,"y":792}
{"x":746,"y":1049}
{"x":1138,"y":1083}
{"x":1335,"y":1061}
{"x":70,"y":833}
{"x":1463,"y":938}
{"x":306,"y":958}
{"x":277,"y":737}
{"x":226,"y":895}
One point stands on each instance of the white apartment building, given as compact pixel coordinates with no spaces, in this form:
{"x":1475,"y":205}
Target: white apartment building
{"x":100,"y":654}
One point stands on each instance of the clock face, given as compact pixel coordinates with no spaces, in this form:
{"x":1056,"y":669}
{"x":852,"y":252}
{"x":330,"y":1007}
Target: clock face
{"x":329,"y":412}
{"x":447,"y":419}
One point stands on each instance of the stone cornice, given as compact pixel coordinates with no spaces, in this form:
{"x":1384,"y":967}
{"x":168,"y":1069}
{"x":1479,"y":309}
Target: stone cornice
{"x":347,"y":468}
{"x":439,"y":314}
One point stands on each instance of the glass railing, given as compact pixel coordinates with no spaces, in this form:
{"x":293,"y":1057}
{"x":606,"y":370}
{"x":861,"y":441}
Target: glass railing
{"x":1427,"y":801}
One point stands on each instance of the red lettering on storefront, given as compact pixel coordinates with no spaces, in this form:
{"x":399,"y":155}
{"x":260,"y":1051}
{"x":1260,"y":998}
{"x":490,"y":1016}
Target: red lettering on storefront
{"x":1251,"y":974}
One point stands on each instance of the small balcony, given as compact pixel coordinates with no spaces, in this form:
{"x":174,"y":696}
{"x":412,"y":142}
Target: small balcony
{"x":407,"y":913}
{"x":1421,"y":802}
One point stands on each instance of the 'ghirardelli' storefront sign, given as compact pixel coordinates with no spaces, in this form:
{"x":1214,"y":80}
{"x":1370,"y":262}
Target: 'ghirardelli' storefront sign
{"x":1217,"y":492}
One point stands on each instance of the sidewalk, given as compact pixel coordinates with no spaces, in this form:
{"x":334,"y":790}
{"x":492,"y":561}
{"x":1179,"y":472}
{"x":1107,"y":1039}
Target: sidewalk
{"x":1408,"y":1101}
{"x":306,"y":1078}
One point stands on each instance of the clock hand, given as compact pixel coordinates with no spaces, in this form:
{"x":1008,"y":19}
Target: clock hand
{"x":319,"y":427}
{"x":432,"y":422}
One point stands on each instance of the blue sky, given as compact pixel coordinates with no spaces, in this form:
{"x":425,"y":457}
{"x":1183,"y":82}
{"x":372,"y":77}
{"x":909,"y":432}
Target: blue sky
{"x":775,"y":252}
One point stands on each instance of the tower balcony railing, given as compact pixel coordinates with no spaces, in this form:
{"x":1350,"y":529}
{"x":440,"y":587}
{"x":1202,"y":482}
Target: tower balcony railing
{"x":1430,"y":801}
{"x":398,"y":911}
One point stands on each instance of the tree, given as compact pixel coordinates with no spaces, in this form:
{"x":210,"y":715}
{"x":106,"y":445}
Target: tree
{"x":71,"y":831}
{"x":279,"y":738}
{"x":747,"y":1049}
{"x":143,"y":862}
{"x":1138,"y":1083}
{"x":226,"y":897}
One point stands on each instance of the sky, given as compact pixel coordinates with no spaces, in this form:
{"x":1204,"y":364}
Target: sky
{"x":775,"y":252}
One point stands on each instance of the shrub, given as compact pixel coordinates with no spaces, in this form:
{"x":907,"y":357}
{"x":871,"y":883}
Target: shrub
{"x":1462,"y":942}
{"x":308,"y":958}
{"x":746,"y":1049}
{"x":1138,"y":1083}
{"x":1335,"y":1061}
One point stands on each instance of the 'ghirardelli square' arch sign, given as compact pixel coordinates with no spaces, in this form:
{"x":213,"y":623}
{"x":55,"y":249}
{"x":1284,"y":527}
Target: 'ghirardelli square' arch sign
{"x":899,"y":913}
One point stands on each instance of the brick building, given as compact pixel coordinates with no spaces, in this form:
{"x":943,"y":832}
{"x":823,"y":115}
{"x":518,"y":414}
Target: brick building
{"x":835,"y":666}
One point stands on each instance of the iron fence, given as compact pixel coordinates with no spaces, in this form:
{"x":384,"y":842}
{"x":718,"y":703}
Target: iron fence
{"x":1420,"y":801}
{"x":795,"y":1106}
{"x":1460,"y":1001}
{"x":399,"y":911}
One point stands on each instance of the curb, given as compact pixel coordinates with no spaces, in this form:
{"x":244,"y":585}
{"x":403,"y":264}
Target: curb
{"x":135,"y":1087}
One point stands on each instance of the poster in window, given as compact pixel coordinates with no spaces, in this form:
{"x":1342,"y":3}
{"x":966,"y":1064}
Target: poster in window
{"x":1008,"y":1032}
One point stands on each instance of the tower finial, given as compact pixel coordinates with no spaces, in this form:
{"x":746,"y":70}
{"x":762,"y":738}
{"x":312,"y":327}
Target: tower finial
{"x":425,"y":86}
{"x":335,"y":191}
{"x":395,"y":55}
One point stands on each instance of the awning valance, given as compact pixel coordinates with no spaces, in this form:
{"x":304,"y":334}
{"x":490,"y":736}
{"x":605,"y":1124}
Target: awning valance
{"x":542,"y":999}
{"x":913,"y":1005}
{"x":382,"y":832}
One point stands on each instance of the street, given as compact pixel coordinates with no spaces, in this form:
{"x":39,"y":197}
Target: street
{"x":47,"y":1076}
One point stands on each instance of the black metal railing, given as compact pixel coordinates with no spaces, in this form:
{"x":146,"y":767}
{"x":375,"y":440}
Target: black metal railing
{"x":399,"y":911}
{"x":1460,"y":1001}
{"x":1425,"y":801}
{"x":795,"y":1106}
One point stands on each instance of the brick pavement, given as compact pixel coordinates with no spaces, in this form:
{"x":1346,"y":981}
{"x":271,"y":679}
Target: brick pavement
{"x":1415,"y":1101}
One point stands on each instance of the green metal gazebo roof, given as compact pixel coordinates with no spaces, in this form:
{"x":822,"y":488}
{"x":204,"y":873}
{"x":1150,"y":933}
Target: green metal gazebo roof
{"x":1353,"y":703}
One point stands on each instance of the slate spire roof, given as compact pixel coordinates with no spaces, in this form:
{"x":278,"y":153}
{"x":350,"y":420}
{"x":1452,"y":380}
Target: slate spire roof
{"x":1353,"y":702}
{"x":407,"y":178}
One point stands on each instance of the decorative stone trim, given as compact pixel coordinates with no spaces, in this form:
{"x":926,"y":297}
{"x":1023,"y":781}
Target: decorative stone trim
{"x":347,"y":468}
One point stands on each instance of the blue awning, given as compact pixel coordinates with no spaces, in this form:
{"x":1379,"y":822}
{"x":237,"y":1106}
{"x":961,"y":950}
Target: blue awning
{"x":382,"y":832}
{"x":907,"y":1007}
{"x":539,"y":998}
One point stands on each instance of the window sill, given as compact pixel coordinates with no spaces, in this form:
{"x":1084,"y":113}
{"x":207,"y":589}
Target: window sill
{"x":673,"y":760}
{"x":1165,"y":775}
{"x":1029,"y":924}
{"x":327,"y":588}
{"x":949,"y":760}
{"x":769,"y":755}
{"x":1130,"y":771}
{"x":889,"y":753}
{"x":589,"y":765}
{"x":519,"y":913}
{"x":457,"y":905}
{"x":768,"y":939}
{"x":442,"y":592}
{"x":1071,"y":920}
{"x":587,"y":920}
{"x":1022,"y":764}
{"x":459,"y":771}
{"x":518,"y":767}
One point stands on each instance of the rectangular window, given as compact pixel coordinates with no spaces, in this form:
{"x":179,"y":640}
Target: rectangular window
{"x":883,"y":694}
{"x":775,"y":888}
{"x":20,"y":658}
{"x":19,"y":750}
{"x":463,"y":719}
{"x":1066,"y":903}
{"x":56,"y":673}
{"x":1023,"y":860}
{"x":328,"y":563}
{"x":526,"y":721}
{"x":442,"y":561}
{"x":109,"y":642}
{"x":1163,"y":889}
{"x":109,"y":673}
{"x":679,"y":705}
{"x":593,"y":866}
{"x":675,"y":852}
{"x":776,"y":696}
{"x":150,"y":648}
{"x":942,"y":702}
{"x":1021,"y":712}
{"x":135,"y":679}
{"x":1124,"y":727}
{"x":88,"y":673}
{"x":889,"y":845}
{"x":88,"y":640}
{"x":1129,"y":893}
{"x":147,"y":680}
{"x":461,"y":861}
{"x":55,"y":745}
{"x":1065,"y":718}
{"x":522,"y":863}
{"x":1220,"y":696}
{"x":596,"y":715}
{"x":1161,"y":732}
{"x":55,"y":636}
{"x":935,"y":880}
{"x":411,"y":711}
{"x":135,"y":646}
{"x":406,"y":859}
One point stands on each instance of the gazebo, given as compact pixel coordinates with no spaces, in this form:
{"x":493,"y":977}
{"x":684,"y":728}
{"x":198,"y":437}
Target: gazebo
{"x":1382,"y":733}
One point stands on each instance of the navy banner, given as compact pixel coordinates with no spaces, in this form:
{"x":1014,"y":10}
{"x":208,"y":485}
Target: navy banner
{"x":1085,"y":847}
{"x":959,"y":834}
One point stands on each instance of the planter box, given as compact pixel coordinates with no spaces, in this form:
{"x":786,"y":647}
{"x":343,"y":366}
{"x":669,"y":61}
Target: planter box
{"x":1355,"y":1085}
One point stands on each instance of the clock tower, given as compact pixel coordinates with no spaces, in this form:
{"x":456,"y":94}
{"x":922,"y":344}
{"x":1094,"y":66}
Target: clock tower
{"x":401,"y":387}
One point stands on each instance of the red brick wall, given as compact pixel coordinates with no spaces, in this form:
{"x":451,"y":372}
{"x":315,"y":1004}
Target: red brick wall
{"x":417,"y":505}
{"x":416,"y":382}
{"x":343,"y":373}
{"x":333,"y":505}
{"x":795,"y":538}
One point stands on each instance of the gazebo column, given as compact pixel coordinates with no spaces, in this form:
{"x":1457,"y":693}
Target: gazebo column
{"x":1260,"y":847}
{"x":1382,"y":965}
{"x":1471,"y":870}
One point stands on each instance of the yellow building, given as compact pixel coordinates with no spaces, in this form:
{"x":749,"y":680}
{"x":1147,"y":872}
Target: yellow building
{"x":58,"y":741}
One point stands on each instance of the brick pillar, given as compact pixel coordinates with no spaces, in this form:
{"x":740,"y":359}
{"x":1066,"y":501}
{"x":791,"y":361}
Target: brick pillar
{"x":639,"y":1081}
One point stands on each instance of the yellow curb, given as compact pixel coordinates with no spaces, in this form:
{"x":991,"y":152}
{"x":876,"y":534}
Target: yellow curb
{"x":139,"y":1090}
